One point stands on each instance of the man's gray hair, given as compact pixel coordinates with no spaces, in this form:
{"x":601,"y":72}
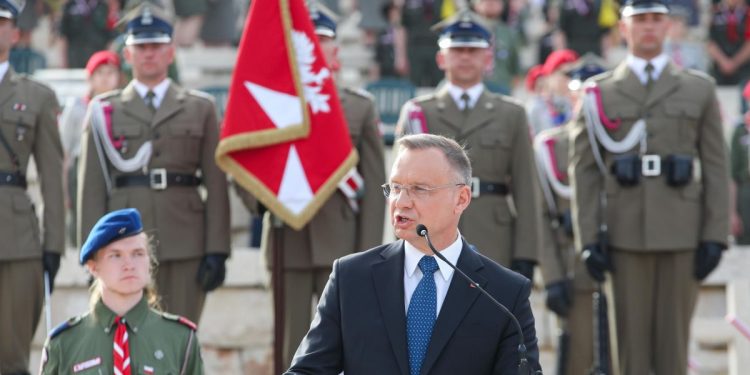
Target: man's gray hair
{"x":454,"y":152}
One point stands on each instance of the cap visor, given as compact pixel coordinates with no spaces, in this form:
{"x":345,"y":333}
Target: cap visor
{"x":630,"y":11}
{"x":453,"y":43}
{"x":4,"y":13}
{"x":159,"y":39}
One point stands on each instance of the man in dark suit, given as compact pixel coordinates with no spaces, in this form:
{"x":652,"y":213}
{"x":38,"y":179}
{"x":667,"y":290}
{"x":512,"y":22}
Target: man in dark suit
{"x":379,"y":315}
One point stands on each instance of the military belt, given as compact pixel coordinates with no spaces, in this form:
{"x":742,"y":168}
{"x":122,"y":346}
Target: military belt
{"x":479,"y":187}
{"x":12,"y":179}
{"x":158,"y":179}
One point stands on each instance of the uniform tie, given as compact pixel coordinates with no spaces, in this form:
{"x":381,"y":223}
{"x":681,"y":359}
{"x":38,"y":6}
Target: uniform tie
{"x":150,"y":101}
{"x":420,"y":317}
{"x":121,"y":351}
{"x":649,"y":76}
{"x":465,"y":100}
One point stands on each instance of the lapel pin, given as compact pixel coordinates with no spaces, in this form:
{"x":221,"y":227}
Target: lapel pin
{"x":19,"y":107}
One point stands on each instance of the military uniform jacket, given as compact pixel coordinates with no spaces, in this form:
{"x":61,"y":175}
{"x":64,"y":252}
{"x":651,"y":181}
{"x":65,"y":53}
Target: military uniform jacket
{"x":558,"y":258}
{"x":159,"y":343}
{"x":498,"y":142}
{"x":682,"y":117}
{"x":184,"y":134}
{"x":28,"y":122}
{"x":336,"y":230}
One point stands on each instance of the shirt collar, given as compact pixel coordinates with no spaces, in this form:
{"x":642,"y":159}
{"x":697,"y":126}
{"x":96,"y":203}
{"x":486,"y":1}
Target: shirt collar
{"x":412,"y":255}
{"x":4,"y":69}
{"x":638,"y":66}
{"x":133,"y":318}
{"x":159,"y":90}
{"x":473,"y":91}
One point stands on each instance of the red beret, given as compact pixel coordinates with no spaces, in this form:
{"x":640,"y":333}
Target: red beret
{"x":100,"y":58}
{"x":746,"y":91}
{"x":558,"y":58}
{"x":533,"y":75}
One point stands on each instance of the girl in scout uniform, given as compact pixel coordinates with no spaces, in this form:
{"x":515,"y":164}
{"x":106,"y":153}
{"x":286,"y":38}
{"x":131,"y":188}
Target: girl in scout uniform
{"x":123,"y":332}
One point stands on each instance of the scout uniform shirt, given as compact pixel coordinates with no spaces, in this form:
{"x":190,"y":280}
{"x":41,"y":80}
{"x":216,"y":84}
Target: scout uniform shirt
{"x":159,"y":343}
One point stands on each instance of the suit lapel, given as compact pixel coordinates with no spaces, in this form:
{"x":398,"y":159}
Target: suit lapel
{"x":668,"y":81}
{"x":481,"y":114}
{"x":171,"y":104}
{"x":448,"y":111}
{"x":627,"y":83}
{"x":7,"y":86}
{"x":133,"y":105}
{"x":457,"y":302}
{"x":388,"y":279}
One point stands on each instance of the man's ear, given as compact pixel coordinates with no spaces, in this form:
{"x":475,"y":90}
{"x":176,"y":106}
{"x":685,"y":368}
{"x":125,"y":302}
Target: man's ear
{"x":126,"y":54}
{"x":463,"y":199}
{"x":440,"y":59}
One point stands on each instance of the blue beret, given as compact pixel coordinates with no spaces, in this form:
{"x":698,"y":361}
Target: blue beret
{"x":148,"y":25}
{"x":634,"y":7}
{"x":324,"y":21}
{"x":110,"y":228}
{"x":463,"y":30}
{"x":10,"y":8}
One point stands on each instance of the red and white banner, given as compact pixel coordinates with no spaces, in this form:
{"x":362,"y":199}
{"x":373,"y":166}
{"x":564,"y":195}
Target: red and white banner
{"x":284,"y":136}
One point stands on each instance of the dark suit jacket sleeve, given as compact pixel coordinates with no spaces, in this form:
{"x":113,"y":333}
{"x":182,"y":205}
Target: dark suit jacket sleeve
{"x":507,"y":353}
{"x":371,"y":167}
{"x":320,"y":352}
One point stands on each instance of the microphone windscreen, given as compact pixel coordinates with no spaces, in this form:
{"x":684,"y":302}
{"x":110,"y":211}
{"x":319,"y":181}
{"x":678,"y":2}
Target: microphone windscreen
{"x":421,"y":230}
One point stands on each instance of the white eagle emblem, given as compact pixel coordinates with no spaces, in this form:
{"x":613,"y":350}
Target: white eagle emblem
{"x":312,"y":83}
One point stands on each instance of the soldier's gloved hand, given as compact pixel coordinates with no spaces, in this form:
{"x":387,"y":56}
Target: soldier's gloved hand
{"x":597,"y":261}
{"x":212,"y":271}
{"x":559,"y":297}
{"x":524,"y":267}
{"x":707,"y":258}
{"x":51,"y":264}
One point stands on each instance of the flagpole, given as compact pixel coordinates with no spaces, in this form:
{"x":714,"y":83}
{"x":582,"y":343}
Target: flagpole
{"x":278,"y":293}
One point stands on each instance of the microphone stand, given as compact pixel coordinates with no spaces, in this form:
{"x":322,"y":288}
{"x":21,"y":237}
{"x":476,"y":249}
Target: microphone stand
{"x":523,"y":363}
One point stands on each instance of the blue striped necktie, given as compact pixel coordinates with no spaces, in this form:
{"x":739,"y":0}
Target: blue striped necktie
{"x":420,"y":317}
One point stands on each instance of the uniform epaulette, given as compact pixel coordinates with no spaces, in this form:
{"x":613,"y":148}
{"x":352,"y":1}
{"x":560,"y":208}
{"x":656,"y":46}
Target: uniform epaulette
{"x":72,"y":322}
{"x":360,"y":92}
{"x":201,"y":94}
{"x":424,"y":98}
{"x":34,"y":81}
{"x":601,"y":76}
{"x":180,"y":319}
{"x":700,"y":74}
{"x":108,"y":94}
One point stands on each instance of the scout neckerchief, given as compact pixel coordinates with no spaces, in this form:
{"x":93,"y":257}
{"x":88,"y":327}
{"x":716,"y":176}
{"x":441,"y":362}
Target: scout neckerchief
{"x":121,"y":348}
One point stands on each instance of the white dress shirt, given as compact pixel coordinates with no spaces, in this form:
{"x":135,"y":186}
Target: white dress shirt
{"x":3,"y":69}
{"x":473,"y":91}
{"x":638,"y":66}
{"x":443,"y":276}
{"x":159,"y":90}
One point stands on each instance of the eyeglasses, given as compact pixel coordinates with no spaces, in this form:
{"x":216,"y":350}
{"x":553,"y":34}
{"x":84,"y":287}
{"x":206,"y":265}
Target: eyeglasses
{"x":413,"y":191}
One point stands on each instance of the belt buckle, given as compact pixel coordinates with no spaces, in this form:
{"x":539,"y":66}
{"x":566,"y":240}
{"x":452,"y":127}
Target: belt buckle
{"x":475,"y":187}
{"x":157,"y":178}
{"x":651,"y":165}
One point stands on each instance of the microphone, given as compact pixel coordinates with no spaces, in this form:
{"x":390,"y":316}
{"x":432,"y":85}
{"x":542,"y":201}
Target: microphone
{"x":523,"y":364}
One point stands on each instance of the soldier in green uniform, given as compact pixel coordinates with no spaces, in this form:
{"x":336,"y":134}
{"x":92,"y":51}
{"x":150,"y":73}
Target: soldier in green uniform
{"x":28,"y":127}
{"x":344,"y":224}
{"x":504,"y":219}
{"x":569,"y":287}
{"x":123,"y":332}
{"x":151,"y":146}
{"x":650,"y":191}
